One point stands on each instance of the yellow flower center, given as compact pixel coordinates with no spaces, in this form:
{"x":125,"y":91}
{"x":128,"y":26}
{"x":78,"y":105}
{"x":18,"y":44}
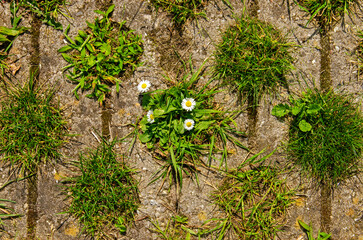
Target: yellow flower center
{"x":143,"y":86}
{"x":188,"y":104}
{"x":151,"y":116}
{"x":189,"y":124}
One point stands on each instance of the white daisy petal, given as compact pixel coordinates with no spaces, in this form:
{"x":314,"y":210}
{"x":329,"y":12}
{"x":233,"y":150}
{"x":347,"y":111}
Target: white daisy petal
{"x":188,"y":104}
{"x":189,"y":124}
{"x":144,"y":86}
{"x":150,"y":116}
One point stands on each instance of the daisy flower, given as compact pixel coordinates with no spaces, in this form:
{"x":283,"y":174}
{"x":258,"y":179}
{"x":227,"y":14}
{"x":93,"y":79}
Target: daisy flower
{"x":150,"y":116}
{"x":189,"y":124}
{"x":188,"y":104}
{"x":144,"y":86}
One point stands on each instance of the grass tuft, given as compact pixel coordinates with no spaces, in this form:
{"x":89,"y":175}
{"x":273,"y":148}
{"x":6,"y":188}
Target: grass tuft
{"x":31,"y":126}
{"x":253,"y":202}
{"x":326,"y":135}
{"x":105,"y":195}
{"x":253,"y":57}
{"x":182,"y":10}
{"x":327,"y":12}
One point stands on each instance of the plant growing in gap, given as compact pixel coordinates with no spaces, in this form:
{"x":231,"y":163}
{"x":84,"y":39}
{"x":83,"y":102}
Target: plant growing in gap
{"x":309,"y":232}
{"x":32,"y":126}
{"x":7,"y":37}
{"x":328,"y":12}
{"x":6,"y":212}
{"x":253,"y":57}
{"x":46,"y":10}
{"x":176,"y":228}
{"x":105,"y":195}
{"x":100,"y":55}
{"x":182,"y":124}
{"x":182,"y":10}
{"x":326,"y":134}
{"x":253,"y":201}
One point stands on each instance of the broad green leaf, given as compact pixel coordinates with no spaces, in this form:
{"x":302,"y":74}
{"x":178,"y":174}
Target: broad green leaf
{"x":280,"y":110}
{"x":67,"y":58}
{"x":145,"y":137}
{"x":304,"y":126}
{"x":295,"y":110}
{"x":158,"y":112}
{"x":65,"y":49}
{"x":109,"y":10}
{"x":313,"y":108}
{"x":204,"y":125}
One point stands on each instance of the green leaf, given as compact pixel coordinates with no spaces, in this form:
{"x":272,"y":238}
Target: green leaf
{"x":65,"y":49}
{"x":313,"y":108}
{"x":204,"y":125}
{"x":304,"y":126}
{"x":145,"y":137}
{"x":158,"y":112}
{"x":109,"y":10}
{"x":296,"y":109}
{"x":280,"y":110}
{"x":67,"y":58}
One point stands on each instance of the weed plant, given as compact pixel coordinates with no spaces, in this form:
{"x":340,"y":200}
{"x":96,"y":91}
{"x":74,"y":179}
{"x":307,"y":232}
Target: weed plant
{"x":253,"y":57}
{"x":183,"y":124}
{"x":326,"y":134}
{"x":176,"y":228}
{"x":32,"y":127}
{"x":309,"y":232}
{"x":253,"y":201}
{"x":105,"y":195}
{"x":47,"y":10}
{"x":100,"y":55}
{"x":327,"y":12}
{"x":181,"y":10}
{"x":6,"y":212}
{"x":7,"y":37}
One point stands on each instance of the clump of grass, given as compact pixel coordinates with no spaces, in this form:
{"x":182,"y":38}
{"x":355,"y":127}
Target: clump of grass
{"x":176,"y":228}
{"x":100,"y":55}
{"x":253,"y":57}
{"x":253,"y":201}
{"x":327,"y":12}
{"x":180,"y":134}
{"x":46,"y":10}
{"x":182,"y":10}
{"x":32,"y":127}
{"x":326,"y":135}
{"x":105,"y":195}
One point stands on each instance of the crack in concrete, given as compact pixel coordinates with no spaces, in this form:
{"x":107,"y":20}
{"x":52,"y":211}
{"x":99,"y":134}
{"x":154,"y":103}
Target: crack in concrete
{"x":32,"y":195}
{"x":325,"y":60}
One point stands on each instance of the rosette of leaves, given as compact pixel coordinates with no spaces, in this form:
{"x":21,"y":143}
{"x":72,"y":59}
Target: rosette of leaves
{"x":182,"y":10}
{"x":104,"y":196}
{"x":253,"y":57}
{"x":326,"y":134}
{"x":179,"y":148}
{"x":253,"y":201}
{"x":100,"y":55}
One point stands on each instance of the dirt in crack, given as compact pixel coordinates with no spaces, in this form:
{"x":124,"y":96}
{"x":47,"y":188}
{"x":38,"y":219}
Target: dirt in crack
{"x":325,"y":60}
{"x":325,"y":85}
{"x":32,"y":196}
{"x":252,"y":112}
{"x":106,"y":117}
{"x":325,"y":208}
{"x":32,"y":213}
{"x":35,"y":48}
